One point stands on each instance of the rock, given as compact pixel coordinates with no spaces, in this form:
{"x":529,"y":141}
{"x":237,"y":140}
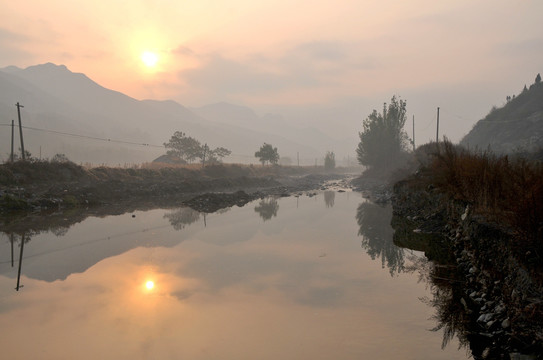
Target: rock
{"x":464,"y":304}
{"x":506,"y":323}
{"x":519,"y":356}
{"x":490,"y":323}
{"x":485,"y":318}
{"x":465,"y":214}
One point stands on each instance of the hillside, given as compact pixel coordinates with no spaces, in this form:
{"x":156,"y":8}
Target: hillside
{"x":57,"y":99}
{"x":517,"y":126}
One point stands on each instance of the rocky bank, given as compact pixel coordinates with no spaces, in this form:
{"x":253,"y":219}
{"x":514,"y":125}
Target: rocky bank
{"x":495,"y":303}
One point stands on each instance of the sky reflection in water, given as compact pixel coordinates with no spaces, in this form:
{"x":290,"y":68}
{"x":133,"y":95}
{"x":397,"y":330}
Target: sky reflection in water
{"x":272,"y":280}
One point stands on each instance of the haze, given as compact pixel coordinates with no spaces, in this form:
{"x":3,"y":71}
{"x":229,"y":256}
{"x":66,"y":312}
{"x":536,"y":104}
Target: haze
{"x":324,"y":65}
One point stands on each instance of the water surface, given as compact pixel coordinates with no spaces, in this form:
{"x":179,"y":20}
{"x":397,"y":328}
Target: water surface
{"x":291,"y":278}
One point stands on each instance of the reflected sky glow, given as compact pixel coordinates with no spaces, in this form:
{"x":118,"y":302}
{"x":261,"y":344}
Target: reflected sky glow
{"x":240,"y":288}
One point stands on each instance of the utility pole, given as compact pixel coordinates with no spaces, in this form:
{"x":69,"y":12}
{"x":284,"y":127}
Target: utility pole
{"x":204,"y":158}
{"x":20,"y":263}
{"x":414,"y":133}
{"x":298,"y":157}
{"x":19,"y":106}
{"x":437,"y":130}
{"x":11,"y":240}
{"x":12,"y":133}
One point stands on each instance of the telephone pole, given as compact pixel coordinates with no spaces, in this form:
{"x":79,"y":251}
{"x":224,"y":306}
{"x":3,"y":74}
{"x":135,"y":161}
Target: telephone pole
{"x":414,"y":133}
{"x":19,"y":106}
{"x":437,"y":130}
{"x":12,"y":133}
{"x":20,"y":263}
{"x":204,"y":157}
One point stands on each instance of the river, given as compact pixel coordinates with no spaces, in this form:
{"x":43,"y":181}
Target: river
{"x":308,"y":277}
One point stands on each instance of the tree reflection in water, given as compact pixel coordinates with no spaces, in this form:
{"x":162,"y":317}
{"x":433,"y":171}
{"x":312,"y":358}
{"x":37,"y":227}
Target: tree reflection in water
{"x":267,"y":208}
{"x":445,"y":282}
{"x":329,"y":198}
{"x":446,"y":286}
{"x":446,"y":294}
{"x":182,"y":217}
{"x":377,"y":235}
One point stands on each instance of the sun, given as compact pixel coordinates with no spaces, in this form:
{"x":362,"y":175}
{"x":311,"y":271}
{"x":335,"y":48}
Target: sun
{"x":149,"y":58}
{"x":149,"y":285}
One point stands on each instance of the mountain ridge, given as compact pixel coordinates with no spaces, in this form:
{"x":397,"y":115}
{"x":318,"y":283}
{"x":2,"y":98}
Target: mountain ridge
{"x":57,"y":99}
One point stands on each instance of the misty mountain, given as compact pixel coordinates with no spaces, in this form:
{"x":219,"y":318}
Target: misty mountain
{"x":517,"y":126}
{"x":90,"y":123}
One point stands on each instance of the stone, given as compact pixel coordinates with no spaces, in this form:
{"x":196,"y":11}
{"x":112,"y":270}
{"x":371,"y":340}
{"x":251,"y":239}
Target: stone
{"x":490,"y":323}
{"x":484,"y":318}
{"x":464,"y":304}
{"x":465,"y":214}
{"x":506,"y":323}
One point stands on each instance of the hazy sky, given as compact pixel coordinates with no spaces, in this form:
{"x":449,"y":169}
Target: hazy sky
{"x":315,"y":61}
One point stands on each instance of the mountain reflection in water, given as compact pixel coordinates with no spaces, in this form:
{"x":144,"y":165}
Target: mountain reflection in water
{"x":173,"y":284}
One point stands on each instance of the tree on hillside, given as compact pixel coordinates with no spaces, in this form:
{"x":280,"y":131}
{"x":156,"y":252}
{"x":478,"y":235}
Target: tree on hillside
{"x":267,"y":153}
{"x":383,"y":139}
{"x":329,"y":161}
{"x":538,"y":79}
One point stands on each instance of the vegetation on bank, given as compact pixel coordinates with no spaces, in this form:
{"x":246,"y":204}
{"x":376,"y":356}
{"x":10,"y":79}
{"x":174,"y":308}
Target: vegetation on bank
{"x":505,"y":190}
{"x":34,"y":185}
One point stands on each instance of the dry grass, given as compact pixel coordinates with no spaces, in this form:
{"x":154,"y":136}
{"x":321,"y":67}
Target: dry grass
{"x":506,"y":191}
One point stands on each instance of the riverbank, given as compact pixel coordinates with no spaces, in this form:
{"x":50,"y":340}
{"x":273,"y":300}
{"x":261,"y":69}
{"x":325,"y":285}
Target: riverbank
{"x":493,"y":299}
{"x":27,"y":187}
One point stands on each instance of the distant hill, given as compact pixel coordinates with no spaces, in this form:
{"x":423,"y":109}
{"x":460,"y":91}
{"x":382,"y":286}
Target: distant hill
{"x":90,"y":123}
{"x":515,"y":127}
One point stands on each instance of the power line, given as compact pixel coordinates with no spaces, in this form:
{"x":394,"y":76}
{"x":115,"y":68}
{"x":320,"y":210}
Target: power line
{"x":89,"y":137}
{"x":456,"y":116}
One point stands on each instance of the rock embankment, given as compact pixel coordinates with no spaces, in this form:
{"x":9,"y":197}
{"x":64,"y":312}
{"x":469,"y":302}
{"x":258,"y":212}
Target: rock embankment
{"x":500,"y":297}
